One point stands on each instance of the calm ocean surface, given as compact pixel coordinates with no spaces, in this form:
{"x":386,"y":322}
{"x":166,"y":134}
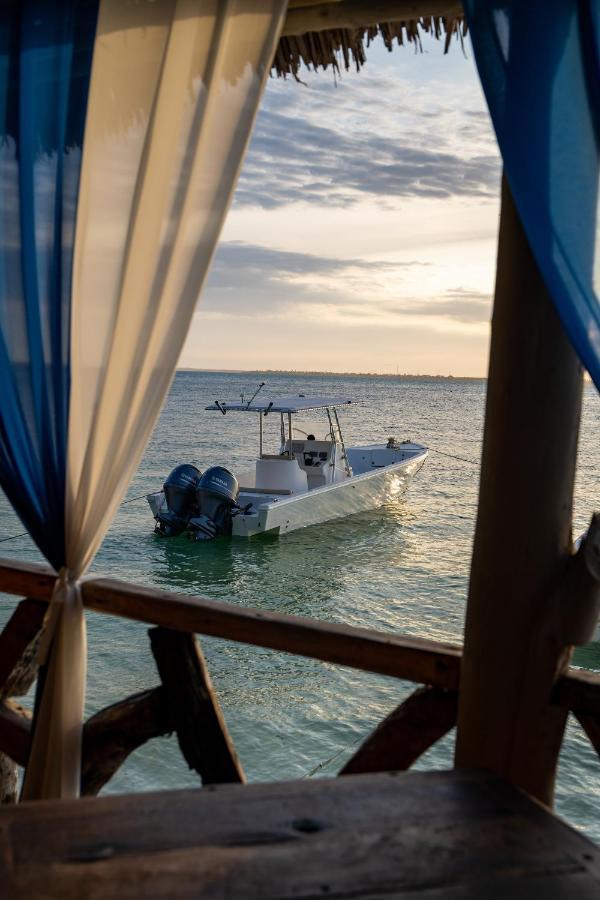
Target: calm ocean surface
{"x":403,"y":568}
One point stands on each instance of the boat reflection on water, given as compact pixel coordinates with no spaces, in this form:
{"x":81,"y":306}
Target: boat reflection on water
{"x":306,"y":573}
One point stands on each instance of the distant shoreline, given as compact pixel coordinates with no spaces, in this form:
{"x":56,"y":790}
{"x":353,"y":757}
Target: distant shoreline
{"x":402,"y":376}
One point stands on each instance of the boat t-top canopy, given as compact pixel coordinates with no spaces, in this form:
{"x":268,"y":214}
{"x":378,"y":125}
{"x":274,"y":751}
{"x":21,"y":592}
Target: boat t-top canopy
{"x":291,"y":404}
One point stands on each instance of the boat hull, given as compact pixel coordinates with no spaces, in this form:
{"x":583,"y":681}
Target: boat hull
{"x":357,"y":494}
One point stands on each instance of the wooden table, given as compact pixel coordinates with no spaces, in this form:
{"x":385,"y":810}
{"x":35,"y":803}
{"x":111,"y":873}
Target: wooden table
{"x":439,"y":836}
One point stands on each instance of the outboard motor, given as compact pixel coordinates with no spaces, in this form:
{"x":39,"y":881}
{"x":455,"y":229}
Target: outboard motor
{"x":180,"y":493}
{"x":216,"y":498}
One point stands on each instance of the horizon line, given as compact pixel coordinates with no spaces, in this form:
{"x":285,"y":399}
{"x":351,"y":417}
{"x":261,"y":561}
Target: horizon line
{"x":423,"y":375}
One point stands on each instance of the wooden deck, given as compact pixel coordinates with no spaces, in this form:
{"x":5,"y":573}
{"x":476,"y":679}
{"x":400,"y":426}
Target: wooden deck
{"x":438,"y":835}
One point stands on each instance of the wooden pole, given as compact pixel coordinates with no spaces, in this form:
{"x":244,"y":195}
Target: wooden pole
{"x":407,"y":733}
{"x":114,"y":732}
{"x":515,"y":646}
{"x":322,"y":16}
{"x":201,"y":730}
{"x":18,"y":642}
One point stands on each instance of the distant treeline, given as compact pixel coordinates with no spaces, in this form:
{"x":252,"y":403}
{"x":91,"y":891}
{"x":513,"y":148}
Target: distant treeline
{"x":400,"y":375}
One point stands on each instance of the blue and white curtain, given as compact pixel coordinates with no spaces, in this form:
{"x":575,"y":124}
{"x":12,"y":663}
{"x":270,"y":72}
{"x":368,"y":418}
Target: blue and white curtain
{"x":539,"y":64}
{"x":123,"y":126}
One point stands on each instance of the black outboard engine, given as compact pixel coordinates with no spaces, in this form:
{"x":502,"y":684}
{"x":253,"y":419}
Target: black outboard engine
{"x":216,"y":498}
{"x":180,"y":492}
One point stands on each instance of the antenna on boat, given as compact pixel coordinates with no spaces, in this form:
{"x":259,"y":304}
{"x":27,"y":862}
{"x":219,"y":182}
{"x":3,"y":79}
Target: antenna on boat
{"x":256,"y":392}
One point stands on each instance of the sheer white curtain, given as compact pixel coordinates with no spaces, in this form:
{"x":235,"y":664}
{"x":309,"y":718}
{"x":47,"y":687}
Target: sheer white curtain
{"x":174,"y":91}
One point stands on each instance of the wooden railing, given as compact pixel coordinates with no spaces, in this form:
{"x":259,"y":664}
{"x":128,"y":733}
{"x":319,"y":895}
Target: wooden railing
{"x":186,"y":703}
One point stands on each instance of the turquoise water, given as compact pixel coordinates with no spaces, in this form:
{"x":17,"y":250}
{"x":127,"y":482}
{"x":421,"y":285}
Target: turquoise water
{"x":403,"y":568}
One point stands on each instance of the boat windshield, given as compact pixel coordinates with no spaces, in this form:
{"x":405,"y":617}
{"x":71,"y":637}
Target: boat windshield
{"x":287,"y":407}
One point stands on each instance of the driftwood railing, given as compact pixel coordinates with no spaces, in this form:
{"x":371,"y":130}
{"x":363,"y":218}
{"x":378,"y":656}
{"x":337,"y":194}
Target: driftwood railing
{"x":186,"y":703}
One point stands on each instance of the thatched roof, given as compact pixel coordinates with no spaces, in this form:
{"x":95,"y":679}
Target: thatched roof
{"x":336,"y":32}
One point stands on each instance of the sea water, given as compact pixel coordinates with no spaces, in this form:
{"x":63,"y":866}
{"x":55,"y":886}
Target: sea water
{"x":403,"y":568}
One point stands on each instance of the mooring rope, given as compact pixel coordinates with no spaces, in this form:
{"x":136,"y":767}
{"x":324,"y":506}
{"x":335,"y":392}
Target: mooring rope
{"x":325,"y":763}
{"x":471,"y":462}
{"x":13,"y":537}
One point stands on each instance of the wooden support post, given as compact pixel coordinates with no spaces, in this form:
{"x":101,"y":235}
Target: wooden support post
{"x":201,"y":729}
{"x":591,"y":726}
{"x":19,"y":633}
{"x":108,"y":737}
{"x":411,"y":729}
{"x":18,"y":669}
{"x":515,"y":648}
{"x":116,"y":731}
{"x":580,"y":589}
{"x":579,"y":691}
{"x":15,"y":727}
{"x":9,"y":780}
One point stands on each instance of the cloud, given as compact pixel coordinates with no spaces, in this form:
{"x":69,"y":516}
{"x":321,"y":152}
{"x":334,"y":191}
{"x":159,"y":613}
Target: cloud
{"x":247,"y":280}
{"x":370,"y":136}
{"x":269,"y":262}
{"x":363,"y":230}
{"x":291,"y":161}
{"x":459,"y":304}
{"x":250,"y":281}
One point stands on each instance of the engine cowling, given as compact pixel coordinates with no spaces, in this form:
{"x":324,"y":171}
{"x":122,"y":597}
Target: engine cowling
{"x":180,"y":489}
{"x":216,"y":498}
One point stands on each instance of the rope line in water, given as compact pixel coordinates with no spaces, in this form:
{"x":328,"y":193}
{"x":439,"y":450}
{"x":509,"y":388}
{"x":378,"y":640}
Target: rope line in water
{"x":323,"y":765}
{"x":471,"y":462}
{"x":13,"y":537}
{"x":131,"y":499}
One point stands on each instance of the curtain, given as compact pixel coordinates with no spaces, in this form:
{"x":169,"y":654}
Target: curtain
{"x":171,"y":99}
{"x":45,"y":63}
{"x":539,"y":64}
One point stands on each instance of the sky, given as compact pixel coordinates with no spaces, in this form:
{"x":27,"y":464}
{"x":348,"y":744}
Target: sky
{"x":362,"y":235}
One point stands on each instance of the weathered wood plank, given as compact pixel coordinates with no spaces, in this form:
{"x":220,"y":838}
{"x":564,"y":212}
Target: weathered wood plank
{"x":403,"y":736}
{"x":362,"y":13}
{"x":414,"y":659}
{"x":21,"y":629}
{"x":191,"y":613}
{"x":201,"y":730}
{"x":113,"y":733}
{"x":435,"y":835}
{"x":26,"y":579}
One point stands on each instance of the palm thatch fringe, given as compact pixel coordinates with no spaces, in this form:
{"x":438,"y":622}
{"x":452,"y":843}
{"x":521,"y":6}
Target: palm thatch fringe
{"x":345,"y":47}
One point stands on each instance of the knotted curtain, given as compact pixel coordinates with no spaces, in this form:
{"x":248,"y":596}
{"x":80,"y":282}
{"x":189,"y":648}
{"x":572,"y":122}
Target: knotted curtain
{"x":123,"y":129}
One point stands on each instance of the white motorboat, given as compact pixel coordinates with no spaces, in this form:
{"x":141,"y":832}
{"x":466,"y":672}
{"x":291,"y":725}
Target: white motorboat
{"x":308,"y":481}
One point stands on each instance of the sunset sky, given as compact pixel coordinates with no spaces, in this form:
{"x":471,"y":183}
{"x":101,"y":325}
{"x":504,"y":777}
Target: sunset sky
{"x":362,"y":235}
